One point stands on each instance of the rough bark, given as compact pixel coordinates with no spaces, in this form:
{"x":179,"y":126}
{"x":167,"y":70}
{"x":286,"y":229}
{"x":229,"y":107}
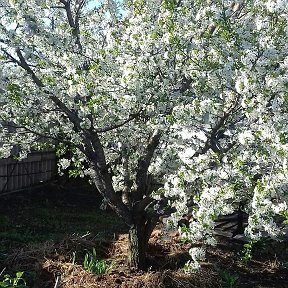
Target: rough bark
{"x":104,"y":185}
{"x":143,"y":165}
{"x":137,"y":246}
{"x":127,"y":181}
{"x":138,"y":238}
{"x":136,"y":249}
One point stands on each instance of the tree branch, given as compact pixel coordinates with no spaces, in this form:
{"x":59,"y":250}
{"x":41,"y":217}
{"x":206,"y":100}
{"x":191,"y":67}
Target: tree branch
{"x":92,"y":147}
{"x":115,"y":126}
{"x":67,"y":7}
{"x":143,"y":165}
{"x":73,"y":22}
{"x":146,"y":201}
{"x":80,"y":4}
{"x":16,"y":126}
{"x":24,"y":65}
{"x":212,"y":140}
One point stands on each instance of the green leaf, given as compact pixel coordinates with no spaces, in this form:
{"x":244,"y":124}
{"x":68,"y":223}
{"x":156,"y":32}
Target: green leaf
{"x":19,"y":274}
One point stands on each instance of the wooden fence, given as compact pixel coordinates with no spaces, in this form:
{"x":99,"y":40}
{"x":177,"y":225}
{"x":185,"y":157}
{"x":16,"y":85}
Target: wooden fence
{"x":37,"y":168}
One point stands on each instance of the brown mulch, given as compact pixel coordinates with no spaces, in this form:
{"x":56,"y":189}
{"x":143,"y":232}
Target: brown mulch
{"x":75,"y":276}
{"x":52,"y":262}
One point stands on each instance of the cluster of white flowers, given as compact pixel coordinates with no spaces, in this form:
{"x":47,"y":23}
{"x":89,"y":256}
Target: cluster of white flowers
{"x":198,"y":256}
{"x":63,"y":164}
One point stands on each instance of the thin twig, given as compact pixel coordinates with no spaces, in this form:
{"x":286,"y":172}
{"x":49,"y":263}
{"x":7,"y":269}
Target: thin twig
{"x":57,"y":282}
{"x":2,"y":271}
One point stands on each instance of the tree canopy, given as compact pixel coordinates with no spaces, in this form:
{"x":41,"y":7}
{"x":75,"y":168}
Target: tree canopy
{"x":192,"y":95}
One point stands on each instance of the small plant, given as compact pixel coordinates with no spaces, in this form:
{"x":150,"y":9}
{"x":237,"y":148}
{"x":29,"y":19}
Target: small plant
{"x":246,"y":253}
{"x":13,"y":282}
{"x":73,"y":258}
{"x":92,"y":264}
{"x":228,"y":280}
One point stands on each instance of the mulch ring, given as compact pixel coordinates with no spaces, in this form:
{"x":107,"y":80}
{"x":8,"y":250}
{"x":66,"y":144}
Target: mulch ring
{"x":59,"y":262}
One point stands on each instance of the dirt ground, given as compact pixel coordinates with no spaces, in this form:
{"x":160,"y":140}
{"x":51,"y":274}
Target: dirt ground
{"x":47,"y":233}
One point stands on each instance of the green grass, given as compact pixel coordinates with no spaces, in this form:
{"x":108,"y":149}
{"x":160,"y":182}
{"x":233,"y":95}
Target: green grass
{"x":35,"y":222}
{"x":93,"y":264}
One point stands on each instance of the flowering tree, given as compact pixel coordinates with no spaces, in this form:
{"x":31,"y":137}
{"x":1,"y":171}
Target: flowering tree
{"x":189,"y":94}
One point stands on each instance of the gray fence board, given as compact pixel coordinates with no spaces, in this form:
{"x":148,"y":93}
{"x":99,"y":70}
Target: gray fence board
{"x":36,"y":168}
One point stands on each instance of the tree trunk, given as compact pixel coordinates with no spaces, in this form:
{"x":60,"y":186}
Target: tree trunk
{"x":137,"y":246}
